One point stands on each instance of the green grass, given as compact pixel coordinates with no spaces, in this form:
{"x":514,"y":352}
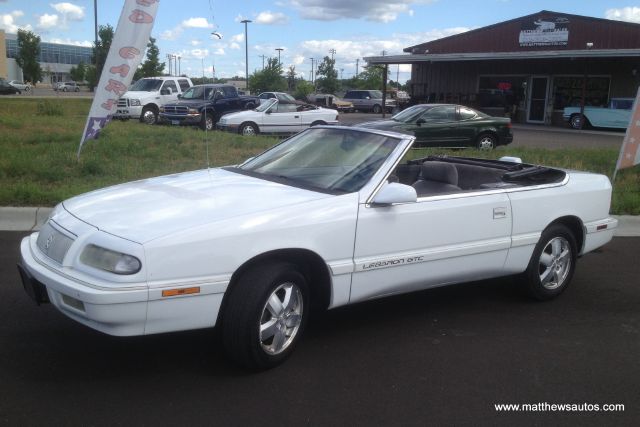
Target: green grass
{"x":39,"y":140}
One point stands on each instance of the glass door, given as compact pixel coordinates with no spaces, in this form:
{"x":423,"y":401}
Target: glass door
{"x":537,"y":99}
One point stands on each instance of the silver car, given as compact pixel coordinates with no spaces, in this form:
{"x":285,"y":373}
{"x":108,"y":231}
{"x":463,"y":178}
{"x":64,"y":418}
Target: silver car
{"x":368,"y":100}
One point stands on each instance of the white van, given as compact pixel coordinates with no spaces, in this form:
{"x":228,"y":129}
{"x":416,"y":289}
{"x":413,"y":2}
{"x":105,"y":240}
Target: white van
{"x":145,"y":97}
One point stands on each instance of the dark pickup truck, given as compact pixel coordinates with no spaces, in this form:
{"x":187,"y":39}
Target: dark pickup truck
{"x":203,"y":105}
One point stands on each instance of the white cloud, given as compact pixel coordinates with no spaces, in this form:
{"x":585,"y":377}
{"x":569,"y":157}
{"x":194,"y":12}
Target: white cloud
{"x":85,"y":43}
{"x":195,"y":42}
{"x":629,"y":14}
{"x":271,"y":18}
{"x":238,"y":38}
{"x":219,"y":51}
{"x":68,"y":12}
{"x":171,"y":34}
{"x":370,"y":10}
{"x":198,"y":53}
{"x":196,"y":23}
{"x":234,"y":46}
{"x":47,"y":21}
{"x":8,"y":22}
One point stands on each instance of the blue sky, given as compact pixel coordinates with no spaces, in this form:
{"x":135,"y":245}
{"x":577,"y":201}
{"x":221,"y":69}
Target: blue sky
{"x":303,"y":28}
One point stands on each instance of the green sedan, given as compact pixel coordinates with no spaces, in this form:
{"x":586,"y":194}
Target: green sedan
{"x":448,"y":125}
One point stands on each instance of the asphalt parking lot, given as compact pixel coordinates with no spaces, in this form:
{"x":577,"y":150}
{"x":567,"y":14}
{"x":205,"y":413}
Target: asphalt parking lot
{"x":438,"y":357}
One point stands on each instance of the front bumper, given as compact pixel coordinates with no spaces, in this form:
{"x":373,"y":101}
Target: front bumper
{"x":181,"y":120}
{"x":128,"y":112}
{"x":228,"y":127}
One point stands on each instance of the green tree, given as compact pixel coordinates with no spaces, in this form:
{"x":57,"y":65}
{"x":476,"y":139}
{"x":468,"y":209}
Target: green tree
{"x":269,"y":79}
{"x":369,"y":78}
{"x":291,"y":78}
{"x":303,"y":89}
{"x":28,"y":52}
{"x":78,"y":73}
{"x":91,"y":77}
{"x":101,"y":49}
{"x":327,"y":80}
{"x":151,"y":67}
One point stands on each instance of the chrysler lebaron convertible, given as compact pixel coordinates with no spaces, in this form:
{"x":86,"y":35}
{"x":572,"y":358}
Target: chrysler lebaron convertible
{"x":329,"y":217}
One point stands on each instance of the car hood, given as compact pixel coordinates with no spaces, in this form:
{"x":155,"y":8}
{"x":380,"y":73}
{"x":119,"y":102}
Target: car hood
{"x":381,"y":124}
{"x":139,"y":94}
{"x":191,"y":103}
{"x":241,"y":115}
{"x":145,"y":210}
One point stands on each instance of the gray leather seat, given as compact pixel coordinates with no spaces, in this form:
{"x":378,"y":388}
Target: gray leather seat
{"x":437,"y":177}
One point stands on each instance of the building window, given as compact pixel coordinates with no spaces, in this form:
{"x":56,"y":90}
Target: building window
{"x":567,"y":91}
{"x":502,"y":91}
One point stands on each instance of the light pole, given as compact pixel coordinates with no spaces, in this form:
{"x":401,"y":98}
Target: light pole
{"x":332,"y":52}
{"x":246,"y":51}
{"x":179,"y":69}
{"x":312,"y":59}
{"x":279,"y":49}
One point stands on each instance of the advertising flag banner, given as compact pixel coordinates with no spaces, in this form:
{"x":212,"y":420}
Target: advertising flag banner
{"x":127,"y":48}
{"x":629,"y":152}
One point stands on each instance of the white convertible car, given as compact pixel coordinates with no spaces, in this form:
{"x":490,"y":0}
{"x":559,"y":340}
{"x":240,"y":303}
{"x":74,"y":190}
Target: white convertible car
{"x":274,"y":116}
{"x":329,"y":217}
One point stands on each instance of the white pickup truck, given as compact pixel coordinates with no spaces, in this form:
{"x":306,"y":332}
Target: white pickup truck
{"x":143,"y":100}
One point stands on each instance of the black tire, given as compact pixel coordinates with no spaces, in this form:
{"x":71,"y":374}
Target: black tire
{"x":575,"y":121}
{"x":64,"y":89}
{"x":486,"y":141}
{"x":248,"y":129}
{"x":149,"y":116}
{"x":318,"y":123}
{"x":253,"y":335}
{"x":377,"y":109}
{"x":552,"y":264}
{"x":208,"y":121}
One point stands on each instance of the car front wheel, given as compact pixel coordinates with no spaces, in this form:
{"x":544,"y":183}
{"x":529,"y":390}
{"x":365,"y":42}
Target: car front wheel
{"x":377,"y":109}
{"x":149,"y":116}
{"x":248,"y":129}
{"x":576,"y":121}
{"x":265,"y":315}
{"x":552,"y":264}
{"x":208,"y":122}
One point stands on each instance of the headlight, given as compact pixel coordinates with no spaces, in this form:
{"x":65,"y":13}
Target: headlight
{"x":193,"y":111}
{"x":134,"y":102}
{"x":162,"y":109}
{"x":111,"y":261}
{"x":222,"y":121}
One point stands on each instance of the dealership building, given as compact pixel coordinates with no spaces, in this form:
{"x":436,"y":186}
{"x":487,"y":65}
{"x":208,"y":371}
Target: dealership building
{"x":56,"y":60}
{"x":528,"y":68}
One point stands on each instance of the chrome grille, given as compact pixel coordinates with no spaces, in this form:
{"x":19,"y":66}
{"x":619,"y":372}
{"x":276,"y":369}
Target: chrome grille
{"x":123,"y":102}
{"x":53,"y":243}
{"x":176,"y":109}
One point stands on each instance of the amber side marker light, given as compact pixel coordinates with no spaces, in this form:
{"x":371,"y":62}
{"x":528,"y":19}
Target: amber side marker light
{"x":183,"y":291}
{"x":601,"y":227}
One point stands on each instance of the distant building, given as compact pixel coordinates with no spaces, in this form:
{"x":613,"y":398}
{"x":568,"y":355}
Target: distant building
{"x":529,"y":68}
{"x":55,"y":59}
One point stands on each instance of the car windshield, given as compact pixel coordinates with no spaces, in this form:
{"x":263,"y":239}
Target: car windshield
{"x":265,"y":105}
{"x":410,"y":115}
{"x":285,"y":97}
{"x":146,"y":85}
{"x":375,"y":94}
{"x":197,"y":92}
{"x":331,"y":160}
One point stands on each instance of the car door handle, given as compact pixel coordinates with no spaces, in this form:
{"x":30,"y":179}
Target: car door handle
{"x":296,"y":117}
{"x":499,"y":213}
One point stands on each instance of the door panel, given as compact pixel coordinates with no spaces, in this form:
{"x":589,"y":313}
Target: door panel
{"x":430,"y":243}
{"x":538,"y":99}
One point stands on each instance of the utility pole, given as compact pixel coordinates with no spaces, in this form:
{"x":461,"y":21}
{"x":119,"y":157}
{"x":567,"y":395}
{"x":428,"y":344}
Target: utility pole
{"x":357,"y":62}
{"x":262,"y":56}
{"x":279,"y":49}
{"x":332,"y":52}
{"x":246,"y":51}
{"x":179,"y":66}
{"x":95,"y":27}
{"x":312,"y":59}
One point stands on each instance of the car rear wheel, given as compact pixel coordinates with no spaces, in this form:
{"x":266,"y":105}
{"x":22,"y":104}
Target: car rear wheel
{"x":552,"y":264}
{"x":576,"y":121}
{"x":208,"y":122}
{"x":249,"y":129}
{"x":149,"y":116}
{"x":377,"y":109}
{"x":64,"y":89}
{"x":486,"y":141}
{"x":265,"y":315}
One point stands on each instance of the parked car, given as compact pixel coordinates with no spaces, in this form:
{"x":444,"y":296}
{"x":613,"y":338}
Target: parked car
{"x":277,"y":117}
{"x":280,"y":96}
{"x":203,"y":105}
{"x":67,"y":87}
{"x":368,"y":100}
{"x":616,"y":114}
{"x":20,"y":85}
{"x":448,"y":125}
{"x":145,"y":97}
{"x":329,"y":217}
{"x":401,"y":97}
{"x":7,"y":89}
{"x":331,"y":101}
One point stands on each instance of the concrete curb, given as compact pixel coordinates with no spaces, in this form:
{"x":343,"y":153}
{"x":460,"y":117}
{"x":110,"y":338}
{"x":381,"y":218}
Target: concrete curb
{"x":31,"y":219}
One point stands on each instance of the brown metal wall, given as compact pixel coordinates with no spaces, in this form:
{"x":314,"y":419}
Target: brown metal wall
{"x":503,"y":37}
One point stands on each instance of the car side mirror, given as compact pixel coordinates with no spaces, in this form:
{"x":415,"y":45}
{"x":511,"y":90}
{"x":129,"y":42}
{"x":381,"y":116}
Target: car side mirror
{"x":420,"y":122}
{"x":179,"y":95}
{"x":368,"y":97}
{"x":394,"y":192}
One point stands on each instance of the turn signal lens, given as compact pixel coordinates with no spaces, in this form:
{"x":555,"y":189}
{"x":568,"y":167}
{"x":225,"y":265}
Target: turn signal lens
{"x":111,"y":261}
